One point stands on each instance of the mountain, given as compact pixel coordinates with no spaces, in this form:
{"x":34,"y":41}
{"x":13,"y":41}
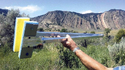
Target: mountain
{"x":4,"y":11}
{"x":113,"y":19}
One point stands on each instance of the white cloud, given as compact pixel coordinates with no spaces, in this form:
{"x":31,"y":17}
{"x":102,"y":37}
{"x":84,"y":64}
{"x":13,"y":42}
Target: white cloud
{"x":29,"y":8}
{"x":85,"y":12}
{"x":99,"y":12}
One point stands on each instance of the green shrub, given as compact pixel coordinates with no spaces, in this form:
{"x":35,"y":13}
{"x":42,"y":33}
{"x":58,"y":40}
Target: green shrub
{"x":117,"y":52}
{"x":99,"y":53}
{"x":63,"y":30}
{"x":119,"y":35}
{"x":75,"y":31}
{"x":58,"y":30}
{"x":93,"y":32}
{"x":7,"y":26}
{"x":106,"y":31}
{"x":67,"y":58}
{"x":40,"y":29}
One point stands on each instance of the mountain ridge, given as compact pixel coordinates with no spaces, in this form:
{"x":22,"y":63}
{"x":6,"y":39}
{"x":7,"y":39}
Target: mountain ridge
{"x":113,"y":19}
{"x":3,"y":11}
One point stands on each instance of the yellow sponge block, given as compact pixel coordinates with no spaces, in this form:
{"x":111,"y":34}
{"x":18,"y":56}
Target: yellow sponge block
{"x":19,"y":26}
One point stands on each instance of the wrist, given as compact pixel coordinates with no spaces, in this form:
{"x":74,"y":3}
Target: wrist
{"x":75,"y":49}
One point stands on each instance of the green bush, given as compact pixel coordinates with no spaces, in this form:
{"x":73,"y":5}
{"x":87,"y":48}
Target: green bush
{"x":75,"y":31}
{"x":106,"y":31}
{"x":40,"y":29}
{"x":117,"y":52}
{"x":98,"y":53}
{"x":63,"y":30}
{"x":93,"y":32}
{"x":67,"y":58}
{"x":7,"y":26}
{"x":119,"y":35}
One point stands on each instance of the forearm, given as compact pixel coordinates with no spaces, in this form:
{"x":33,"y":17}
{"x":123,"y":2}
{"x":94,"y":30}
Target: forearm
{"x":89,"y":62}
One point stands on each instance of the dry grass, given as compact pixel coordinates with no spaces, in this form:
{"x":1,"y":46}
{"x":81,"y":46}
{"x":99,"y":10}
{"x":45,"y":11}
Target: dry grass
{"x":112,"y":32}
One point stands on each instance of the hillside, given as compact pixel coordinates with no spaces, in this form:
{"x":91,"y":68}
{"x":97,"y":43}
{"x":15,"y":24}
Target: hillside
{"x":4,"y":11}
{"x":113,"y":19}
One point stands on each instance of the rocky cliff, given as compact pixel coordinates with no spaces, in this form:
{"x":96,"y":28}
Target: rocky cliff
{"x":113,"y":19}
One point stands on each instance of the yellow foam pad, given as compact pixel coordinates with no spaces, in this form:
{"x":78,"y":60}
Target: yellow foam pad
{"x":19,"y":26}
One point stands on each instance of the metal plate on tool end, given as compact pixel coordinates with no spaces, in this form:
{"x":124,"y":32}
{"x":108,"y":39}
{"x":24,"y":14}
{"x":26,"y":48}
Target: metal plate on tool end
{"x":26,"y":52}
{"x":31,"y":28}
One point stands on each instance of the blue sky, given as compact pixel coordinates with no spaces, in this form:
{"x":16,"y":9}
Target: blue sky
{"x":40,"y":7}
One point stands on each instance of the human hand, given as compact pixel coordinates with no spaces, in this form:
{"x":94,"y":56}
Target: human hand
{"x":68,"y":42}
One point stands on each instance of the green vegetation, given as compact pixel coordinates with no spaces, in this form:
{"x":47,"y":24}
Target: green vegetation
{"x":93,"y":32}
{"x":119,"y":35}
{"x":117,"y":52}
{"x":7,"y":25}
{"x":40,"y":29}
{"x":64,"y":30}
{"x":106,"y":32}
{"x":85,"y":32}
{"x":54,"y":56}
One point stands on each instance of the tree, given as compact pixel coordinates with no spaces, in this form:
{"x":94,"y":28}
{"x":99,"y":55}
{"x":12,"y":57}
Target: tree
{"x":106,"y":31}
{"x":2,"y":19}
{"x":75,"y":31}
{"x":93,"y":32}
{"x":7,"y":26}
{"x":119,"y":35}
{"x":40,"y":29}
{"x":58,"y":30}
{"x":64,"y":30}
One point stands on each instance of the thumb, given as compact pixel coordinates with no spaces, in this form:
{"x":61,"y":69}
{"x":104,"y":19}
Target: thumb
{"x":67,"y":36}
{"x":58,"y":35}
{"x":68,"y":43}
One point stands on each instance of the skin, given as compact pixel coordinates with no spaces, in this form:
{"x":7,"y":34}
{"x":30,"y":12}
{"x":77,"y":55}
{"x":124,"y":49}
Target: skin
{"x":89,"y":62}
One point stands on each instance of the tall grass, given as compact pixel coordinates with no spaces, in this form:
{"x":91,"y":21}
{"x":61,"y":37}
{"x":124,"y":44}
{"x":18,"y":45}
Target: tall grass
{"x":42,"y":60}
{"x":52,"y":56}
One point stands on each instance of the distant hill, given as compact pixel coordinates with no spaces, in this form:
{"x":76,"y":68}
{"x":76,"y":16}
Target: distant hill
{"x":4,"y":11}
{"x":114,"y":19}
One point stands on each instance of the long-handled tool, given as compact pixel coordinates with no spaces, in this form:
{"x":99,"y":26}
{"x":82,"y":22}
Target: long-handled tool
{"x":27,"y":38}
